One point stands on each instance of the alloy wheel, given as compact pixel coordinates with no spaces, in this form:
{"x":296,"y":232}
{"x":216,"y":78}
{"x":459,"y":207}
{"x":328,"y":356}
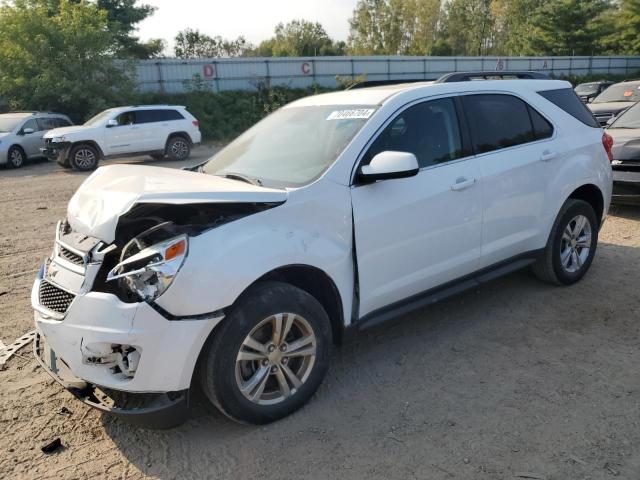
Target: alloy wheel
{"x":16,"y":158}
{"x":575,"y":244}
{"x":275,"y":359}
{"x":84,"y":158}
{"x":179,"y":149}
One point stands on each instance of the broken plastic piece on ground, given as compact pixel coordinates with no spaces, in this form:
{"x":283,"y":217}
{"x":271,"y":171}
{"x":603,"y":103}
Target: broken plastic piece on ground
{"x":10,"y":350}
{"x":52,"y":446}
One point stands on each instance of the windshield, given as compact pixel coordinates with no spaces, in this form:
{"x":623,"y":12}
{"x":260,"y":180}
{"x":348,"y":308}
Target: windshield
{"x":622,"y":92}
{"x":629,"y":119}
{"x":7,"y":124}
{"x":586,"y":88}
{"x":292,"y":146}
{"x":93,"y":121}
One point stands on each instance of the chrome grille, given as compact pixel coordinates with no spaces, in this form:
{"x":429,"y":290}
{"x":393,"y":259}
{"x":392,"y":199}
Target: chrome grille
{"x":54,"y":298}
{"x":70,"y":256}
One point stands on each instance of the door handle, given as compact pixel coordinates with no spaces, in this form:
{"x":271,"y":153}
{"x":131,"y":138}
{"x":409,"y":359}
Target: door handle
{"x":548,"y":155}
{"x":462,"y":183}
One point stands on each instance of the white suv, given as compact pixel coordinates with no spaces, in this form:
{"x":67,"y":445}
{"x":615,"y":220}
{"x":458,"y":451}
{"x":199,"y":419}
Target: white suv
{"x":335,"y":213}
{"x":156,"y":130}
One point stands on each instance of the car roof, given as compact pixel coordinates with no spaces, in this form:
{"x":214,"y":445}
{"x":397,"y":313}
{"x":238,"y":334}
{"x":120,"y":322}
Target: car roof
{"x":29,"y":114}
{"x":378,"y":95}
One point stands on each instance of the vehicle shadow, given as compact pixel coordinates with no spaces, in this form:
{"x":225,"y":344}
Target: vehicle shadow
{"x":460,"y":375}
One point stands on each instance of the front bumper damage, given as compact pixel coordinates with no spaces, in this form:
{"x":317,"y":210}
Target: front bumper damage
{"x":122,"y":358}
{"x":58,"y":152}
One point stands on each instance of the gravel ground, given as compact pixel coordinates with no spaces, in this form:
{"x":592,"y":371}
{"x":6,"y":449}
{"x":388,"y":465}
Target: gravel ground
{"x":517,"y":379}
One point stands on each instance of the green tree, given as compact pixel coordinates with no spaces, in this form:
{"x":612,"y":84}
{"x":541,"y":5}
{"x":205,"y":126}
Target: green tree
{"x":195,"y":44}
{"x":123,"y":16}
{"x":623,"y":25}
{"x":469,"y":27}
{"x":58,"y":56}
{"x":566,"y":27}
{"x":299,"y":38}
{"x":394,"y":27}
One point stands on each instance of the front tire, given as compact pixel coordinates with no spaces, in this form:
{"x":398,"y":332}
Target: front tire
{"x":16,"y":157}
{"x":269,"y":355}
{"x":83,"y":158}
{"x":571,"y":245}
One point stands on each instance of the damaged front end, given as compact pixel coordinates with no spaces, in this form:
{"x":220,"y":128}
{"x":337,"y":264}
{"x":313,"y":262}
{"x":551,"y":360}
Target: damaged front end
{"x":99,"y":332}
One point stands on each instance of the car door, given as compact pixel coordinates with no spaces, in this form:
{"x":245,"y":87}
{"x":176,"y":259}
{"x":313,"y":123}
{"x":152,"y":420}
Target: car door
{"x":516,"y":152}
{"x":31,"y":142}
{"x":124,"y":137}
{"x":414,"y":234}
{"x":150,"y":124}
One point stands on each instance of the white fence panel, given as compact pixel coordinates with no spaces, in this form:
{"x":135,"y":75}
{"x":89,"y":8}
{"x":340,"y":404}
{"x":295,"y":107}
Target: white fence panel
{"x":218,"y":74}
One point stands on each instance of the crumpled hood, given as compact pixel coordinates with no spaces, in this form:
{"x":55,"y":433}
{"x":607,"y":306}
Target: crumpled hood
{"x":626,"y":143}
{"x":57,"y":132}
{"x":111,"y":191}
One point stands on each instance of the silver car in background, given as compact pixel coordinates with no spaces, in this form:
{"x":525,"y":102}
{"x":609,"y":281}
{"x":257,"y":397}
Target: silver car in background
{"x":21,"y":135}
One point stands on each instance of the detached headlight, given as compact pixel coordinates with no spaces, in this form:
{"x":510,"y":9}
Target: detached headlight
{"x":148,"y":273}
{"x":58,"y":139}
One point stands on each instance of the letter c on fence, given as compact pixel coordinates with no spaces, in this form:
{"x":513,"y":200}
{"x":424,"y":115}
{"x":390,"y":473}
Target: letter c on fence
{"x":208,"y":70}
{"x":306,"y":68}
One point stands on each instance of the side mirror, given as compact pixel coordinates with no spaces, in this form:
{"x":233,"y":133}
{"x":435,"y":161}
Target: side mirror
{"x":27,"y":131}
{"x":112,"y":123}
{"x":388,"y":165}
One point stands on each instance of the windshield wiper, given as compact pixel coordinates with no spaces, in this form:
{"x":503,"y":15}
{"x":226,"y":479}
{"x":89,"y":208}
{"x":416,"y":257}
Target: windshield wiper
{"x":243,"y":178}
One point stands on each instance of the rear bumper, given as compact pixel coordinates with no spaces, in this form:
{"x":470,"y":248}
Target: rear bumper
{"x":626,"y":187}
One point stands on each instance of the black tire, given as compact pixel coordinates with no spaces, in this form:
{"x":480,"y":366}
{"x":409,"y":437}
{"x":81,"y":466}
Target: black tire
{"x":549,"y":267}
{"x":83,"y":158}
{"x":217,"y":369}
{"x":178,"y":148}
{"x":16,"y":157}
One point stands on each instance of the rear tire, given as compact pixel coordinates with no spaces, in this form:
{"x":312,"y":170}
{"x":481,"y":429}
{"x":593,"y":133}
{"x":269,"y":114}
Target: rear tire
{"x":254,"y":372}
{"x":16,"y":157}
{"x":178,"y":148}
{"x":571,"y":246}
{"x":83,"y":158}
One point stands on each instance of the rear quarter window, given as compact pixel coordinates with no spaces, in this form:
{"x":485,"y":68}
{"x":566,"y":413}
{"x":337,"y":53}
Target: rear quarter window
{"x":567,"y":100}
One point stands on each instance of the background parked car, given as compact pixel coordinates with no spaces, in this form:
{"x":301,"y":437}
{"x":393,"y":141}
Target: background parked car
{"x":156,"y":130}
{"x":21,"y":135}
{"x":614,"y":100}
{"x":588,"y":91}
{"x":625,"y":130}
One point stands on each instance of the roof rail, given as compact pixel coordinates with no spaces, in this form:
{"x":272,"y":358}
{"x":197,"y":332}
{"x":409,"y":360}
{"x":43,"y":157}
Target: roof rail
{"x":381,"y":83}
{"x":490,"y":75}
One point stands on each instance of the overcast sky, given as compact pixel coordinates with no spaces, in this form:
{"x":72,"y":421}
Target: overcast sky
{"x":254,"y":19}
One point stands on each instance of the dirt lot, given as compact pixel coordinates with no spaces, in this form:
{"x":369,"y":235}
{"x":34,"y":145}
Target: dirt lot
{"x":515,"y":380}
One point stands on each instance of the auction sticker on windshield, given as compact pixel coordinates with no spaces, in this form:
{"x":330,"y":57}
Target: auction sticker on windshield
{"x":352,"y":113}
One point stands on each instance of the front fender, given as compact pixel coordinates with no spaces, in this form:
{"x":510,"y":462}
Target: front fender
{"x":313,"y":227}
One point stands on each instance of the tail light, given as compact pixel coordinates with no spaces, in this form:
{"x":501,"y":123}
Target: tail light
{"x":196,"y":123}
{"x":607,"y":143}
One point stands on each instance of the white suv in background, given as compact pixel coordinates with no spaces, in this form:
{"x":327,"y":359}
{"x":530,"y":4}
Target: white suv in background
{"x":333,"y":214}
{"x":156,"y":130}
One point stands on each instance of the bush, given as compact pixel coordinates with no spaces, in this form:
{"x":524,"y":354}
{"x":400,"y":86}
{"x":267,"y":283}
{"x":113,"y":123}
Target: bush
{"x":594,"y":77}
{"x":225,"y":115}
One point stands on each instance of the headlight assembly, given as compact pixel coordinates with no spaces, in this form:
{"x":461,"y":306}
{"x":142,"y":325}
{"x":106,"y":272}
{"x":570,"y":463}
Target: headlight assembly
{"x":148,"y":273}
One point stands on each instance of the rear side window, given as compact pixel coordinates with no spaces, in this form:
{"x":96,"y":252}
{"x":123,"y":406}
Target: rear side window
{"x":151,"y":116}
{"x":567,"y":100}
{"x":61,"y":122}
{"x":47,"y":123}
{"x":541,"y":127}
{"x":498,"y":121}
